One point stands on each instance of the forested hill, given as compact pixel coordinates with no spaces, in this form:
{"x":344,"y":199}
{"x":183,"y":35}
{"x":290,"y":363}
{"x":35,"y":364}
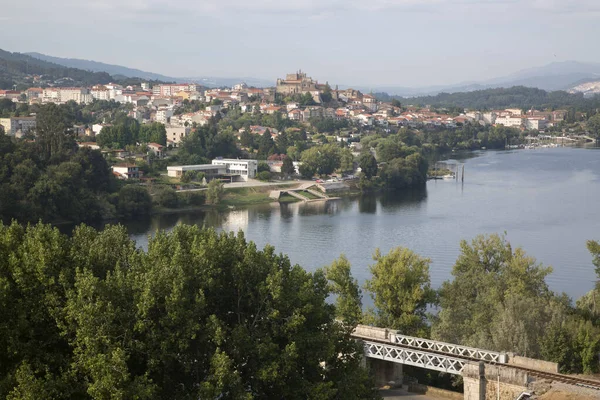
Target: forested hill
{"x":16,"y":67}
{"x":517,"y":96}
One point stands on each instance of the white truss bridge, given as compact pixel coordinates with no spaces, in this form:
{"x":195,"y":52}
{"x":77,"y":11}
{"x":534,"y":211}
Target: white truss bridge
{"x":393,"y":353}
{"x":430,"y":354}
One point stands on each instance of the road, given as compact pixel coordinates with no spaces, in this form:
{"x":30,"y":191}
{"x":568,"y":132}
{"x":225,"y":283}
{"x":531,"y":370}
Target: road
{"x":254,"y":183}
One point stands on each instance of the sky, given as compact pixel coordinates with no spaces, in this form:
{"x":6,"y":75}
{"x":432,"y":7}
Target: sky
{"x":410,"y":43}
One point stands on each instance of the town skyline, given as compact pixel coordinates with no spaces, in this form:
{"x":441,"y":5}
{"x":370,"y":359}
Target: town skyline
{"x":403,"y":43}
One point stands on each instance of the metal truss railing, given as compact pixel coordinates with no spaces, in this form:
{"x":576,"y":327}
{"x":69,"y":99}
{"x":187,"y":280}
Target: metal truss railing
{"x":455,"y":349}
{"x":394,"y":353}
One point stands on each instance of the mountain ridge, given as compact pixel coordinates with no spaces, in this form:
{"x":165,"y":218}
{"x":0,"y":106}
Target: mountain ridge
{"x":114,"y":69}
{"x":558,"y":75}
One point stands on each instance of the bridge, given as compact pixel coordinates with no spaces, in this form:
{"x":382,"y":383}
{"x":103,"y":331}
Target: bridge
{"x":486,"y":374}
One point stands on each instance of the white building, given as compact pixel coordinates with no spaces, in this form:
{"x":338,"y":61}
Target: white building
{"x":510,"y":121}
{"x":535,"y":123}
{"x":246,"y":169}
{"x":163,"y":115}
{"x":489,"y":118}
{"x":232,"y":168}
{"x":126,"y":171}
{"x":77,"y":94}
{"x":100,"y":92}
{"x":18,"y":125}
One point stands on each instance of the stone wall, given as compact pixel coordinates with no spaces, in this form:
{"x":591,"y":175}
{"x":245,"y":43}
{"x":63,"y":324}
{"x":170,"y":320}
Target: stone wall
{"x":484,"y":382}
{"x":532,"y":363}
{"x":372,"y":332}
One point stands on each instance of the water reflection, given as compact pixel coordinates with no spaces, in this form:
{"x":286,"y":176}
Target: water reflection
{"x":393,"y":201}
{"x":367,"y":204}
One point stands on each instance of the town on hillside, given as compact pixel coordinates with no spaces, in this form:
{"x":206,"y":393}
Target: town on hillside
{"x":298,"y":107}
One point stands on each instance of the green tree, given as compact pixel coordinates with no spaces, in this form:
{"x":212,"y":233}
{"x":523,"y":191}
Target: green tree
{"x":215,"y":192}
{"x":322,"y":159}
{"x":593,"y":125}
{"x":264,"y":176}
{"x":348,"y":303}
{"x":368,"y":164}
{"x":401,"y":291}
{"x":263,"y":167}
{"x":494,"y":287}
{"x":287,"y":168}
{"x":153,"y":133}
{"x":133,"y":201}
{"x":346,"y":160}
{"x":54,"y":139}
{"x":196,"y":315}
{"x":165,"y":196}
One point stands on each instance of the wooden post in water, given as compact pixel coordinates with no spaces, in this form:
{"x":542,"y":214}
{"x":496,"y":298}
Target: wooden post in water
{"x":463,"y":173}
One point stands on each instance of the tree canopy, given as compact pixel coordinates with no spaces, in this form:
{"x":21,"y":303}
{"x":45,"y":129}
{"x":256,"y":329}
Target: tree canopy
{"x":197,"y":315}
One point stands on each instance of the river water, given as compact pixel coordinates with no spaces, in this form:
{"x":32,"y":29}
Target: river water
{"x":545,"y":200}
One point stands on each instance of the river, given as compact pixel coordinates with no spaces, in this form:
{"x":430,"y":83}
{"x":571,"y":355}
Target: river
{"x":543,"y":199}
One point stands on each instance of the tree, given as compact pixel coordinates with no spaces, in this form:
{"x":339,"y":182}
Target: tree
{"x":348,"y":304}
{"x":197,"y":315}
{"x":287,"y":168}
{"x":133,"y":201}
{"x":593,"y":124}
{"x":264,"y":176}
{"x":368,"y":164}
{"x":165,"y":196}
{"x":153,"y":133}
{"x":346,"y":160}
{"x":52,"y":134}
{"x":498,"y":299}
{"x":322,"y":159}
{"x":263,"y":167}
{"x":401,"y":291}
{"x":215,"y":192}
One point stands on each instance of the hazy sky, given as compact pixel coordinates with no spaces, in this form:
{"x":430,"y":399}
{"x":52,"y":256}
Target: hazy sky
{"x":361,"y":42}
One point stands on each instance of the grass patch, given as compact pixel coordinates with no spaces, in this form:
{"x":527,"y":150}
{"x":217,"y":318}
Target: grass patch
{"x":309,"y":195}
{"x":316,"y":189}
{"x":286,"y":198}
{"x":246,"y":196}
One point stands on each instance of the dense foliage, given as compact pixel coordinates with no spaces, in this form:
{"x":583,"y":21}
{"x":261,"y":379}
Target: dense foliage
{"x":499,"y":300}
{"x":197,"y":315}
{"x":15,"y":66}
{"x":517,"y":96}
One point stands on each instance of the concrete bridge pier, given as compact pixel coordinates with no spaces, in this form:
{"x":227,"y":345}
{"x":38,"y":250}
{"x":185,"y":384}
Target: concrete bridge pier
{"x":385,"y":372}
{"x":493,"y":382}
{"x":474,"y":381}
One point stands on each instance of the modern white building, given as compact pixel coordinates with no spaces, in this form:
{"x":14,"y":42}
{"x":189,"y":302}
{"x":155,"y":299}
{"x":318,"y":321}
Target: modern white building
{"x":246,"y":169}
{"x":221,"y":167}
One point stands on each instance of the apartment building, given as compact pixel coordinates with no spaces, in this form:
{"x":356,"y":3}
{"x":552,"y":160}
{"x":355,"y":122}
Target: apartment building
{"x":16,"y":126}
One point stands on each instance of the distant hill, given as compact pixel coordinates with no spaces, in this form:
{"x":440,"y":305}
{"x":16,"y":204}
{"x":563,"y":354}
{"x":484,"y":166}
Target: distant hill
{"x":554,"y":76}
{"x":96,"y":66}
{"x":499,"y":98}
{"x":17,"y":68}
{"x":132,"y":72}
